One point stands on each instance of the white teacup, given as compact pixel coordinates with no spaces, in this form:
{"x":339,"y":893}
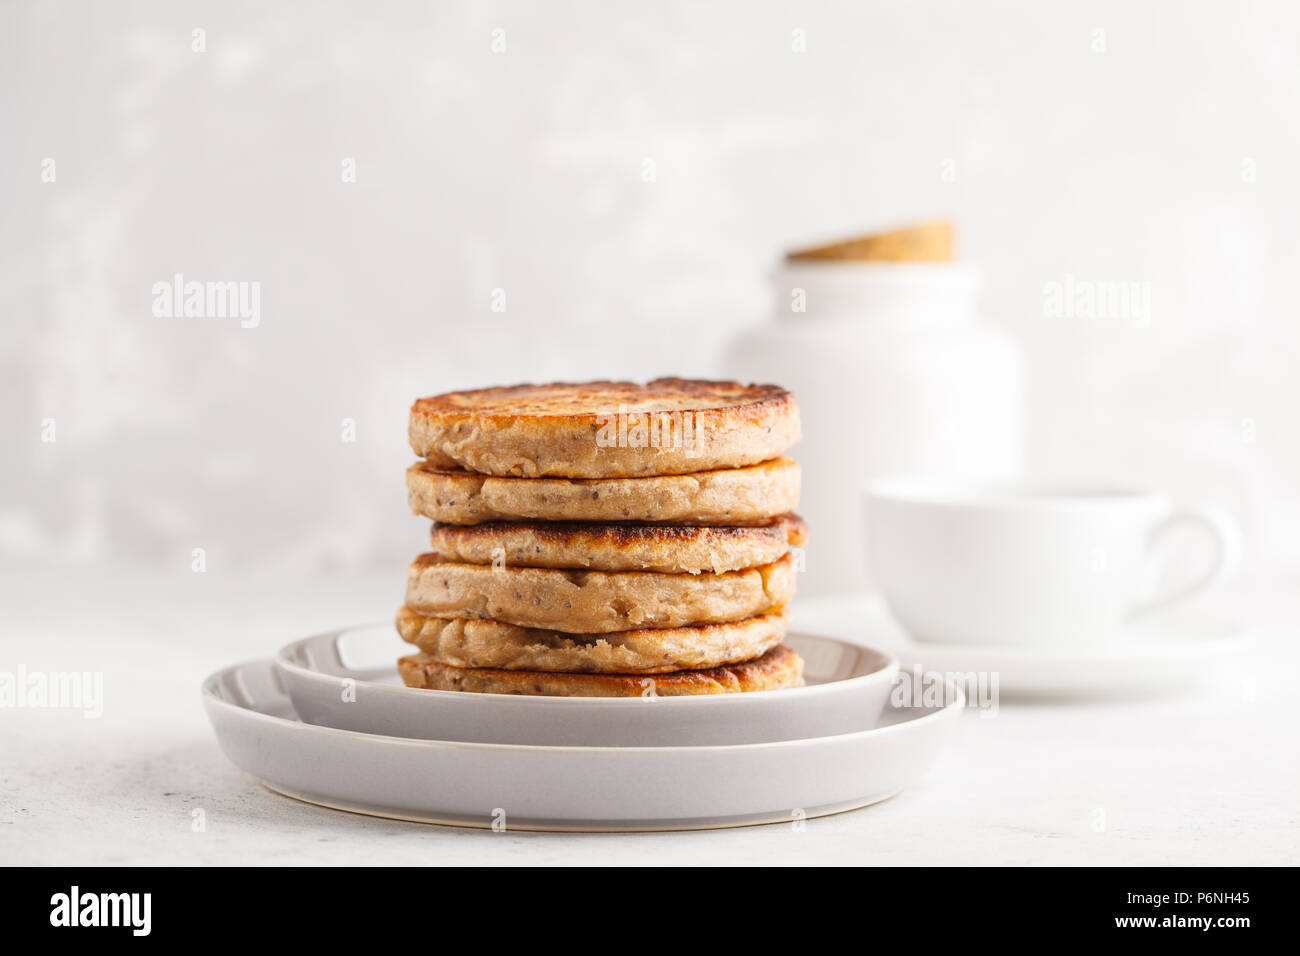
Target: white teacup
{"x":1030,"y":564}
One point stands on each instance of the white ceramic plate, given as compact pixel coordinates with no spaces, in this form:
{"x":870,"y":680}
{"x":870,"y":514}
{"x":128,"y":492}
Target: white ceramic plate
{"x":566,"y":788}
{"x":348,"y":680}
{"x":1176,"y":652}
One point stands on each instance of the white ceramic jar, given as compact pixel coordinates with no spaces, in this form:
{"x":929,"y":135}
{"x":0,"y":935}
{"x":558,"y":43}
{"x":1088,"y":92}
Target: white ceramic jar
{"x":895,"y":374}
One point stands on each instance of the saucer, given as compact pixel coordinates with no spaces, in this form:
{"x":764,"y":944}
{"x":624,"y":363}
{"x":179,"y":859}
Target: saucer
{"x":567,"y":788}
{"x":1177,"y":651}
{"x":347,"y":679}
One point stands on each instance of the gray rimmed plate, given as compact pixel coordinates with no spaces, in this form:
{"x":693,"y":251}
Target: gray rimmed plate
{"x":567,"y":788}
{"x":348,"y":680}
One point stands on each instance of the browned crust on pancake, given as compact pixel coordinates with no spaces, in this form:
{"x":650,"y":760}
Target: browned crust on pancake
{"x":672,"y":549}
{"x":562,"y":429}
{"x":595,"y":602}
{"x":777,"y":668}
{"x":750,"y":495}
{"x":583,"y":401}
{"x":493,"y":644}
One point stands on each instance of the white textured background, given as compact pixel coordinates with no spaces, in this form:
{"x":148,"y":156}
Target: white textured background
{"x":1169,"y":157}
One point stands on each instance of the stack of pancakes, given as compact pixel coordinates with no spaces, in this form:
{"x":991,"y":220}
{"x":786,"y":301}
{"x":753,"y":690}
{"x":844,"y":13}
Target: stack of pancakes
{"x":606,"y":539}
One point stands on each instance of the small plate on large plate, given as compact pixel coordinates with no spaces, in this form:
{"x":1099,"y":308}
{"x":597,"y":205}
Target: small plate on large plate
{"x":569,"y":788}
{"x":348,"y":679}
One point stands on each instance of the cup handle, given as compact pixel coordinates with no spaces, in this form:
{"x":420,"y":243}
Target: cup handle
{"x":1223,"y":531}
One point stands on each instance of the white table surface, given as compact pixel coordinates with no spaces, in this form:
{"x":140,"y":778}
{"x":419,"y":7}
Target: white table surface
{"x":1206,"y":779}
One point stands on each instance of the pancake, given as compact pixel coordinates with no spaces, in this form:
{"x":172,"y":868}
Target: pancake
{"x":478,"y":644}
{"x":595,"y":602}
{"x":671,"y":549}
{"x":670,"y":426}
{"x":752,"y":495}
{"x":779,"y":667}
